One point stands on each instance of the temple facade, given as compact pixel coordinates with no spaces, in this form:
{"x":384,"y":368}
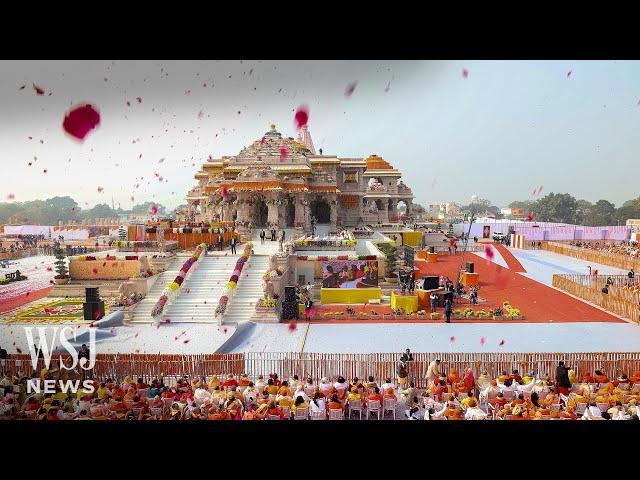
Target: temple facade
{"x":282,"y":181}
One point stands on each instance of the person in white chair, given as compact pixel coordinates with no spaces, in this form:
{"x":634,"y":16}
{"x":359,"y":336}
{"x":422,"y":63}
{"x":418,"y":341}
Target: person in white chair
{"x":387,"y":384}
{"x":592,"y":412}
{"x":301,"y":393}
{"x":474,"y":412}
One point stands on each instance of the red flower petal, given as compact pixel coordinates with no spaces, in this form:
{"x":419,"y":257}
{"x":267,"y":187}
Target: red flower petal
{"x":81,"y":120}
{"x":154,"y":209}
{"x":128,"y":103}
{"x":39,"y":90}
{"x":501,"y":343}
{"x":452,"y":339}
{"x":96,"y":315}
{"x":530,"y":217}
{"x":95,"y":271}
{"x":168,"y":320}
{"x":292,"y":326}
{"x":44,"y":171}
{"x":465,"y":73}
{"x":100,"y":189}
{"x":301,"y":117}
{"x":482,"y":340}
{"x":569,"y":73}
{"x":139,"y":99}
{"x":186,"y":341}
{"x":350,"y":88}
{"x":11,"y":196}
{"x":18,"y":350}
{"x":22,"y":87}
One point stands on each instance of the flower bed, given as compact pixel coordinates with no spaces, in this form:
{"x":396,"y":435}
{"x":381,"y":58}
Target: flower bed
{"x":233,"y":281}
{"x":171,"y":290}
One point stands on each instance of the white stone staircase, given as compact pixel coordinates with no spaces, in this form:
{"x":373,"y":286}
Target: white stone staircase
{"x":142,"y":310}
{"x":241,"y":307}
{"x":206,"y":284}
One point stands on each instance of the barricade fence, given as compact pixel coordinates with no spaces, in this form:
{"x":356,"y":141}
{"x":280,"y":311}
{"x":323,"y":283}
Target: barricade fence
{"x":625,"y":303}
{"x":595,"y":256}
{"x":318,"y":365}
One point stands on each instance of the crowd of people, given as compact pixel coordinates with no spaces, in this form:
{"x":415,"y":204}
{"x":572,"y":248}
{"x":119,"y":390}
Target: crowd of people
{"x":448,"y":395}
{"x":627,"y":249}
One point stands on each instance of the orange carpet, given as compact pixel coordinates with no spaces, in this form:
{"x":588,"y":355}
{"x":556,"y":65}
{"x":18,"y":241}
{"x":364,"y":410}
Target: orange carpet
{"x":21,"y":300}
{"x":537,"y":302}
{"x":512,"y":262}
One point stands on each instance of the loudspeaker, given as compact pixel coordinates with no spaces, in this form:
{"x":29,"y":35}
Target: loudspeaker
{"x":289,"y":310}
{"x":432,"y":249}
{"x":93,"y":310}
{"x":469,"y":267}
{"x":431,"y":283}
{"x":290,"y":294}
{"x":92,"y":294}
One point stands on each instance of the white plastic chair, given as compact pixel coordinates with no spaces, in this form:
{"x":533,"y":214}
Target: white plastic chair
{"x":156,"y":412}
{"x":273,"y":417}
{"x":143,"y":392}
{"x":389,"y":406}
{"x":336,"y":414}
{"x":301,"y":414}
{"x":373,"y":406}
{"x":603,"y":406}
{"x":355,"y":406}
{"x":580,"y":408}
{"x":317,"y":416}
{"x":286,"y":410}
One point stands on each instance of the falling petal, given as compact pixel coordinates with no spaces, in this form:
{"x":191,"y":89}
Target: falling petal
{"x":22,"y":87}
{"x":100,"y":189}
{"x":482,"y":340}
{"x":488,"y":251}
{"x":167,"y":320}
{"x":284,"y":151}
{"x":81,"y":120}
{"x":186,"y":341}
{"x":292,"y":326}
{"x":139,"y":99}
{"x":11,"y":196}
{"x":452,"y":339}
{"x":18,"y":350}
{"x":569,"y":73}
{"x":44,"y":171}
{"x":465,"y":73}
{"x":350,"y":89}
{"x":301,"y":117}
{"x":530,"y":217}
{"x":501,"y":343}
{"x":39,"y":90}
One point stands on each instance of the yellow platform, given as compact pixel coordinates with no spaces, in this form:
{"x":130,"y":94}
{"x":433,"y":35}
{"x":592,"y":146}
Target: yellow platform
{"x":409,"y":303}
{"x":349,"y":295}
{"x":413,"y":239}
{"x":470,"y":279}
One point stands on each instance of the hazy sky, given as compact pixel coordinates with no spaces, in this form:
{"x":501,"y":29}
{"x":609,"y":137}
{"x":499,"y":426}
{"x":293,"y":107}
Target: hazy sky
{"x":507,"y":128}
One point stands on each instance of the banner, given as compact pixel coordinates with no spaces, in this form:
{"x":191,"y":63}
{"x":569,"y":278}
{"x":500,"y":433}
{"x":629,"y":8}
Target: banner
{"x":350,"y":274}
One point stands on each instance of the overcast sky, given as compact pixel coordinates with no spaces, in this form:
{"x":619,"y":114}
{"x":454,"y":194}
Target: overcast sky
{"x":499,"y":133}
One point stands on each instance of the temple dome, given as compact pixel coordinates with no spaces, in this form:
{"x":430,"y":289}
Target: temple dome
{"x":269,"y":146}
{"x":374,"y":162}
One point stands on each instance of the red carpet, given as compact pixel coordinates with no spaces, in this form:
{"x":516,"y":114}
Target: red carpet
{"x":19,"y":301}
{"x":537,"y":302}
{"x":512,"y":262}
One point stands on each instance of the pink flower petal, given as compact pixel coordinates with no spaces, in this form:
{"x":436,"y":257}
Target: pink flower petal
{"x":350,"y":88}
{"x":167,"y":320}
{"x":465,"y":73}
{"x":39,"y":90}
{"x":488,"y":251}
{"x":81,"y":120}
{"x":452,"y":339}
{"x":11,"y":196}
{"x":100,"y":189}
{"x":301,"y":117}
{"x":569,"y":73}
{"x":154,"y":209}
{"x":284,"y":151}
{"x":530,"y":217}
{"x":139,"y":99}
{"x":186,"y":341}
{"x":482,"y":340}
{"x":292,"y":326}
{"x":95,"y":271}
{"x":501,"y":343}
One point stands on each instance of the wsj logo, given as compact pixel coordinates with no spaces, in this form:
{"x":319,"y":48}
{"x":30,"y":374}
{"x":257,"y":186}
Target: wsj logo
{"x":46,"y":350}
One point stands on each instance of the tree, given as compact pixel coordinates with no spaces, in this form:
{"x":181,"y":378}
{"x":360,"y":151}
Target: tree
{"x":556,"y":207}
{"x":629,"y":209}
{"x":61,"y":264}
{"x":584,"y":211}
{"x":602,"y":213}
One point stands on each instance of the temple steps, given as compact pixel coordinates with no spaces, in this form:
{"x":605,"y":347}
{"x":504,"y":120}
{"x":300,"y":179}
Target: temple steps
{"x":249,"y":290}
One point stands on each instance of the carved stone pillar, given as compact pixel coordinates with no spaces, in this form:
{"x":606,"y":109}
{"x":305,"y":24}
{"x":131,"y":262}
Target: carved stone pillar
{"x":299,"y":211}
{"x":273,"y":213}
{"x":333,"y":219}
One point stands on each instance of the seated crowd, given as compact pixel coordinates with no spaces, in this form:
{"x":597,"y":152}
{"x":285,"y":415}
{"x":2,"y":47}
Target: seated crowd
{"x":230,"y":397}
{"x":628,"y":249}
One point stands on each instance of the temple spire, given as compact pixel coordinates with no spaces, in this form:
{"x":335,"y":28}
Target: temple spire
{"x":304,"y":137}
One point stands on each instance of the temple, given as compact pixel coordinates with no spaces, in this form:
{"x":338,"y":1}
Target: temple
{"x":282,"y":181}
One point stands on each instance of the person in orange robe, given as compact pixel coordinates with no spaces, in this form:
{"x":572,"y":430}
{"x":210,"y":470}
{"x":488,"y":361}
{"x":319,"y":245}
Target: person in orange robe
{"x":275,"y":410}
{"x":452,"y":412}
{"x":375,"y":396}
{"x":284,"y":390}
{"x":244,"y":380}
{"x":600,"y":377}
{"x":335,"y":403}
{"x":587,"y":378}
{"x":468,"y":382}
{"x":453,"y":377}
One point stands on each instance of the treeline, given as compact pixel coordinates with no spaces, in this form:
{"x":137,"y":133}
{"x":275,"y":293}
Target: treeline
{"x":66,"y":209}
{"x":564,"y":208}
